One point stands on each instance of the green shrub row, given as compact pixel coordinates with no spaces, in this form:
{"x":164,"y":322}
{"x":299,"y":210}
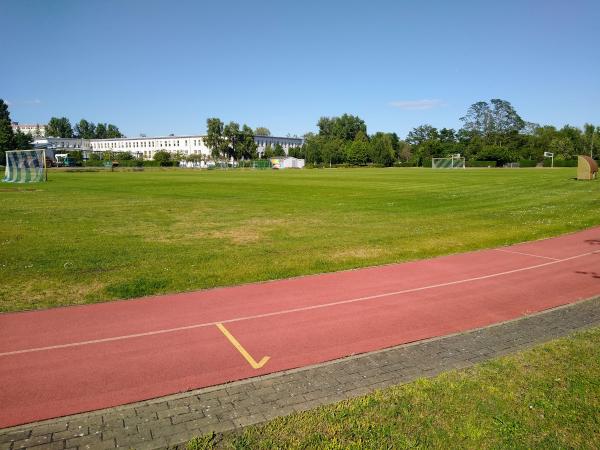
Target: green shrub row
{"x":527,"y":163}
{"x":560,"y":162}
{"x":474,"y":163}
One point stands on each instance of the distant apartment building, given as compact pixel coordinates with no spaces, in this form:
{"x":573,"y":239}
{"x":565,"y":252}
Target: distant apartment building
{"x":36,"y":129}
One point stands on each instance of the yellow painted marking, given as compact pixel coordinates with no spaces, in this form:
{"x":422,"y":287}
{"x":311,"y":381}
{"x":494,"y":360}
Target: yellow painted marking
{"x":242,"y":350}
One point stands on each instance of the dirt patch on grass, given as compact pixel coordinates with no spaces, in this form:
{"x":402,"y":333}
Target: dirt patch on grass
{"x":240,"y":235}
{"x":247,"y":232}
{"x":47,"y":294}
{"x":357,"y":253}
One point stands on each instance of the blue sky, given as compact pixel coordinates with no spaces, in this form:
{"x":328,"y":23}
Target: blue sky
{"x":160,"y":67}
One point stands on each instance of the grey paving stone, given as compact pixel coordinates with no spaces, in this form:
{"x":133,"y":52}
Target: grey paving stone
{"x":32,"y":441}
{"x":15,"y":435}
{"x":181,"y":418}
{"x":60,"y":445}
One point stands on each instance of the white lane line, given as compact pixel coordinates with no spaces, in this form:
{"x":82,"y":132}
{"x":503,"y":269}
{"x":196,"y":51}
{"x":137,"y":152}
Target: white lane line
{"x":525,"y":254}
{"x":294,"y":310}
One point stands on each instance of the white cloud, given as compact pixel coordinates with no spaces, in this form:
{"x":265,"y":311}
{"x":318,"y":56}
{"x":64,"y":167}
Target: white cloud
{"x":35,"y":101}
{"x":417,"y":104}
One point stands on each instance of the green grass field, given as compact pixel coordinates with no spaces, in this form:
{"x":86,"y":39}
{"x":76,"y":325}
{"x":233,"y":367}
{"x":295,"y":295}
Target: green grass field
{"x":546,"y":398}
{"x":89,"y":237}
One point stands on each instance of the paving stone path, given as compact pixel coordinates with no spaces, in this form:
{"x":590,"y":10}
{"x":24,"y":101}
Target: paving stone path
{"x":168,"y":422}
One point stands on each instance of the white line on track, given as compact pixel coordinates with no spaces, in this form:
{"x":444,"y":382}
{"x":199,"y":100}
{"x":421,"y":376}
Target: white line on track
{"x":525,"y":254}
{"x":295,"y":310}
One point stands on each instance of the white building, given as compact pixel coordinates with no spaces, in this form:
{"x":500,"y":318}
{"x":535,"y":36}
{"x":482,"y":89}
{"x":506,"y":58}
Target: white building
{"x":146,"y":147}
{"x":36,"y":129}
{"x":285,"y":142}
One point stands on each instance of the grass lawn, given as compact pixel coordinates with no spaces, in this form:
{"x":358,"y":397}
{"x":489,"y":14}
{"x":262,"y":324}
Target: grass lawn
{"x":547,"y":398}
{"x":89,"y":237}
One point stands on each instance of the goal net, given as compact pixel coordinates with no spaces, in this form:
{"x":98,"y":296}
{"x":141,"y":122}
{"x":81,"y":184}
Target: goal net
{"x":452,"y":162}
{"x":25,"y":166}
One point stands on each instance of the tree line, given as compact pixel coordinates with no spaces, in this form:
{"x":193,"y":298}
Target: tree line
{"x":61,"y":127}
{"x":492,"y":131}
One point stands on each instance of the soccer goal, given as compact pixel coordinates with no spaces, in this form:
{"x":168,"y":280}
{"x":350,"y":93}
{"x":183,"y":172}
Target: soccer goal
{"x":452,"y":162}
{"x":25,"y":166}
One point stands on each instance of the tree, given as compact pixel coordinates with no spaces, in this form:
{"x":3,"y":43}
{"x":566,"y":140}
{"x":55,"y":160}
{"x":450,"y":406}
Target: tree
{"x":562,"y":147}
{"x":501,"y":155}
{"x":101,"y":132}
{"x":592,"y":139}
{"x":59,"y":127}
{"x":215,"y":140}
{"x":231,"y":131}
{"x":247,"y":145}
{"x":6,"y":131}
{"x":405,"y":152}
{"x":262,"y":131}
{"x":382,"y":149}
{"x":422,"y":134}
{"x":76,"y":156}
{"x":496,"y":121}
{"x":125,"y":156}
{"x":22,"y":141}
{"x":345,"y":127}
{"x":85,"y":130}
{"x":268,"y":152}
{"x":297,"y":152}
{"x":278,"y":150}
{"x":358,"y":151}
{"x":112,"y":132}
{"x":505,"y":119}
{"x":163,"y":158}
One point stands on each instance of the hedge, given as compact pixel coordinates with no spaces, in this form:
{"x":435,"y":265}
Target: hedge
{"x":560,"y":162}
{"x":474,"y":163}
{"x":527,"y":163}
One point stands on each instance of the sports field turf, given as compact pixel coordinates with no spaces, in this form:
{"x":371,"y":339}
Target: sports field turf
{"x":88,"y":237}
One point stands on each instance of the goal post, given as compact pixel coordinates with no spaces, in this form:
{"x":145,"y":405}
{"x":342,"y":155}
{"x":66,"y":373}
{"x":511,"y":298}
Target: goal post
{"x":25,"y":166}
{"x":451,"y":162}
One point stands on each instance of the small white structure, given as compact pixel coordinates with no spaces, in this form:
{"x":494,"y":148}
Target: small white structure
{"x":287,"y":162}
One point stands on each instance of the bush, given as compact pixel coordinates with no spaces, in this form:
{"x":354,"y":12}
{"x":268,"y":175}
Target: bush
{"x":130,"y":163}
{"x":474,"y":163}
{"x":94,"y":163}
{"x":163,"y":158}
{"x":151,"y":163}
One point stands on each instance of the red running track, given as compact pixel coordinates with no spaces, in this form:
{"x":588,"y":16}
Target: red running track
{"x":75,"y":359}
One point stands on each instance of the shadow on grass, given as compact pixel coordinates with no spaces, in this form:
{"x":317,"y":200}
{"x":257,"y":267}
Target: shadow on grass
{"x":138,"y":287}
